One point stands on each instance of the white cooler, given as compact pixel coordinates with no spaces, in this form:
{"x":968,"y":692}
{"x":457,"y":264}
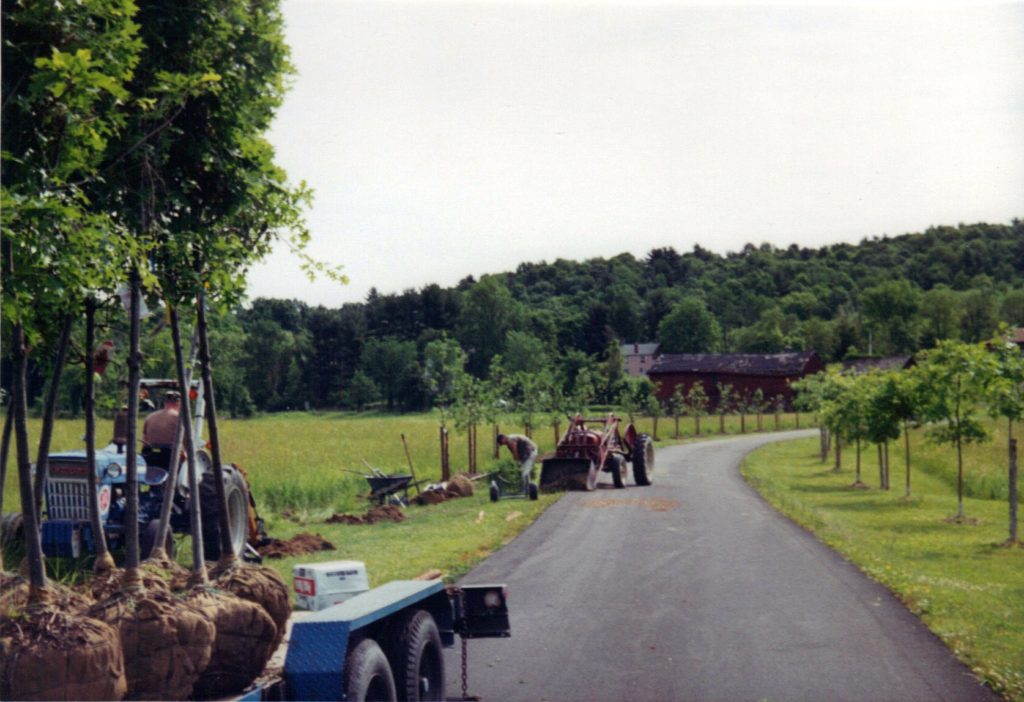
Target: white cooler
{"x":320,"y":585}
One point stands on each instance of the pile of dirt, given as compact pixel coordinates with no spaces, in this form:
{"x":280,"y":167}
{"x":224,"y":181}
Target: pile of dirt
{"x":295,"y":546}
{"x":461,"y":485}
{"x":166,"y":642}
{"x":380,"y":513}
{"x":243,"y":644}
{"x":261,"y":585}
{"x":52,"y":654}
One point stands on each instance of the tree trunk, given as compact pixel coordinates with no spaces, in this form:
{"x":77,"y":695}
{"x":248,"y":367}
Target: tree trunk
{"x":132,"y":577}
{"x":885,"y":447}
{"x":654,"y":429}
{"x":497,"y":430}
{"x":1013,"y":491}
{"x":959,"y":479}
{"x":30,"y":525}
{"x":797,"y":417}
{"x":743,"y":423}
{"x":5,"y":445}
{"x":443,"y":442}
{"x":228,"y":559}
{"x":857,"y":481}
{"x":777,"y":420}
{"x":697,"y":418}
{"x":721,"y":423}
{"x":676,"y":418}
{"x":839,"y":453}
{"x":823,"y":443}
{"x":906,"y":439}
{"x":881,"y":468}
{"x":49,"y":411}
{"x":104,"y":561}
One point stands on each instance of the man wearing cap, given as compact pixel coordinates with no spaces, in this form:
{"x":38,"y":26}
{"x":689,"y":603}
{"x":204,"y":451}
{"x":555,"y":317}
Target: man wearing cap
{"x":523,"y":450}
{"x":159,"y":430}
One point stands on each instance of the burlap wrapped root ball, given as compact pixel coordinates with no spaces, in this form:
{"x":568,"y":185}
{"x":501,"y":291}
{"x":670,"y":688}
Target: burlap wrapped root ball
{"x":243,"y":645}
{"x":52,"y":654}
{"x":14,"y":596}
{"x":108,"y":584}
{"x":261,"y":585}
{"x":166,"y":642}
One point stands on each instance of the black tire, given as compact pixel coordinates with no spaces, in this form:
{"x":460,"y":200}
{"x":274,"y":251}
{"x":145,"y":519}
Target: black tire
{"x":238,"y":513}
{"x":147,"y":539}
{"x":494,"y":492}
{"x":617,"y":467}
{"x":532,"y":491}
{"x":367,"y":675}
{"x":643,"y":460}
{"x":418,"y":659}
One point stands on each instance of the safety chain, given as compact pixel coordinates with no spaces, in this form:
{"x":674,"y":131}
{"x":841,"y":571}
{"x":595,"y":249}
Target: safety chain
{"x":465,"y":673}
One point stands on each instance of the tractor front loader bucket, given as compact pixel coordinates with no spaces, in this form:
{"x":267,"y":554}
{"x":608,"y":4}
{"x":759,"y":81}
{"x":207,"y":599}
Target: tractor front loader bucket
{"x":568,"y":474}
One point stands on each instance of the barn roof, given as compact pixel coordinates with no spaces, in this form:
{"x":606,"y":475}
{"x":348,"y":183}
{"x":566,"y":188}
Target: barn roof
{"x":788,"y":363}
{"x":887,"y":363}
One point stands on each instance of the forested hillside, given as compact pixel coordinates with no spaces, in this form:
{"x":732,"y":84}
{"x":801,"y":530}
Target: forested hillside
{"x":565,"y":319}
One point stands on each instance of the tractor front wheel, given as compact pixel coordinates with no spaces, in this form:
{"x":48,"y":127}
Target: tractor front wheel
{"x":617,"y":466}
{"x":643,"y":460}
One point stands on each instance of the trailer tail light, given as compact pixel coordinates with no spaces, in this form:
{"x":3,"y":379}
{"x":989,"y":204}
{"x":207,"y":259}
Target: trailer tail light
{"x":483,"y":612}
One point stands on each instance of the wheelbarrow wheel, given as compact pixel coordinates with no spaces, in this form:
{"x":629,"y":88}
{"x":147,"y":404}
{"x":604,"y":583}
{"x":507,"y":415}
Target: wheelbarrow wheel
{"x":495,"y":492}
{"x":531,"y":490}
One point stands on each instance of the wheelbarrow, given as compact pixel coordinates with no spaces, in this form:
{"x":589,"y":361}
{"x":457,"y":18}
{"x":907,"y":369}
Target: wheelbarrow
{"x":384,"y":487}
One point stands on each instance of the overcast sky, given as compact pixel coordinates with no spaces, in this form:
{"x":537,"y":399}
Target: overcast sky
{"x":454,"y":139}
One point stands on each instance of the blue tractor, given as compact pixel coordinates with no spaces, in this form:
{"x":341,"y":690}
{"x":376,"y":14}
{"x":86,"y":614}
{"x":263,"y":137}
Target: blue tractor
{"x":66,"y":528}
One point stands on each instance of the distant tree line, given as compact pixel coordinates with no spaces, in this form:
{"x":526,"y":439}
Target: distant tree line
{"x":564,"y":320}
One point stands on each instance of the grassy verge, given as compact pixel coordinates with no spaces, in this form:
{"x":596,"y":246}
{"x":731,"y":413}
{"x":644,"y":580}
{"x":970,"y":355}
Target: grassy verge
{"x":967,"y":588}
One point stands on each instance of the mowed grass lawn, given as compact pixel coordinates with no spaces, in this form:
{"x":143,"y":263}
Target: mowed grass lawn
{"x":963,"y":584}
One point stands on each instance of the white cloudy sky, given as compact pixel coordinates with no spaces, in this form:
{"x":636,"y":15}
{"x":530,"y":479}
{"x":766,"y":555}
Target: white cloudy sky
{"x":450,"y":139}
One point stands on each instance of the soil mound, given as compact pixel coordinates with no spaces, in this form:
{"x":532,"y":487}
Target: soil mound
{"x":51,"y":654}
{"x":166,"y":642}
{"x":380,"y":513}
{"x":461,"y":485}
{"x":261,"y":585}
{"x":295,"y":546}
{"x":243,"y":644}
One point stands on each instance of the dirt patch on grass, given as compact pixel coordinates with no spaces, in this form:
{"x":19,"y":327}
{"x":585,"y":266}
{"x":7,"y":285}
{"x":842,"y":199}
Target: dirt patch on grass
{"x":655,"y":505}
{"x":380,"y":513}
{"x":295,"y":546}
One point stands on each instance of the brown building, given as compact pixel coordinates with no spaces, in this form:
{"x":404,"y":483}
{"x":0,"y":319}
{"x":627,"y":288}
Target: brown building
{"x":638,"y":358}
{"x":745,"y":372}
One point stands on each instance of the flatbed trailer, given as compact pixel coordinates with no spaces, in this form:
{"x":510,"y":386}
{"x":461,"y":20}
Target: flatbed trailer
{"x":384,"y":644}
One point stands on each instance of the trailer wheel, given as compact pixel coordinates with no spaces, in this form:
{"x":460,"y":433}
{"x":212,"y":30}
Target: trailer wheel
{"x":643,"y":460}
{"x":532,"y":491}
{"x":367,"y":675}
{"x":494,"y":492}
{"x":617,"y":467}
{"x":419,"y":661}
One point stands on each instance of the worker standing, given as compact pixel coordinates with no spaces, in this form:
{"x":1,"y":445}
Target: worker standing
{"x":523,"y":450}
{"x":159,"y":431}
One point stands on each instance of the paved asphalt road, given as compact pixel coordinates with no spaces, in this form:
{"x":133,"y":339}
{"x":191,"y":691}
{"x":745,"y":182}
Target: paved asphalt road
{"x":695,"y":589}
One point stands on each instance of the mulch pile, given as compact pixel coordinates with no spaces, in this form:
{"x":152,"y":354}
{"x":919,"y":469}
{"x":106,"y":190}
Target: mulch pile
{"x":295,"y":546}
{"x":380,"y":513}
{"x":459,"y":486}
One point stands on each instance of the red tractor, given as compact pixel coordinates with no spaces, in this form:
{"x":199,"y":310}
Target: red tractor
{"x":583,"y":453}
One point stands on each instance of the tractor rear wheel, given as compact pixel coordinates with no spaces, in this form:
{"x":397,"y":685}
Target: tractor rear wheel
{"x":643,"y":460}
{"x":238,"y":513}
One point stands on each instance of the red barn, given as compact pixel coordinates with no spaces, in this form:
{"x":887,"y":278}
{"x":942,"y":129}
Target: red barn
{"x":771,"y":373}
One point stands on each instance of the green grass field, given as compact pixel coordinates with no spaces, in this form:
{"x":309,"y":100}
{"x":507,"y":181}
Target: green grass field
{"x":965,"y":586}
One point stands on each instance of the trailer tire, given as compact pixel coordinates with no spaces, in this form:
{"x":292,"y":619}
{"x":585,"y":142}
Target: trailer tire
{"x":367,"y":675}
{"x":238,"y":513}
{"x":495,"y":493}
{"x":643,"y":460}
{"x":418,"y":659}
{"x":532,"y":491}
